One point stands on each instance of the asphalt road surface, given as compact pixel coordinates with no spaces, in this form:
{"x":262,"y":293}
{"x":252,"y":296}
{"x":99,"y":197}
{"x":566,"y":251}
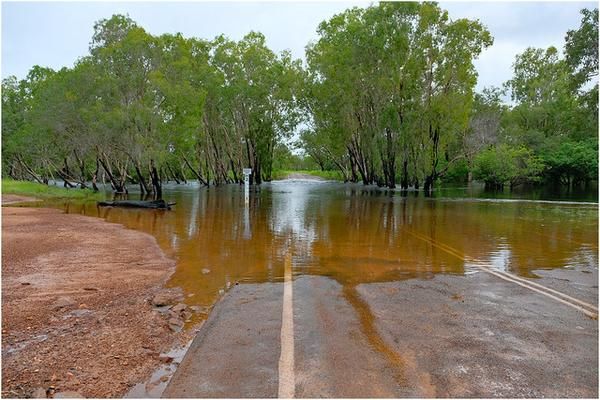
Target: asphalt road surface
{"x":449,"y":336}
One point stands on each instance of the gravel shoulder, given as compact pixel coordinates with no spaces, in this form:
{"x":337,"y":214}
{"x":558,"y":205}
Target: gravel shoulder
{"x":77,"y":312}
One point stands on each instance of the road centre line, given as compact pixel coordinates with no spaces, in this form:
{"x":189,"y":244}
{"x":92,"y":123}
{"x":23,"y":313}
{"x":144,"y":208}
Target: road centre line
{"x":287,"y":381}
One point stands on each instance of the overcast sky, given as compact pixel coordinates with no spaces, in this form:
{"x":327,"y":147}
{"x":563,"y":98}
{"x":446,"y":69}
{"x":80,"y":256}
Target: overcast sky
{"x":55,"y":34}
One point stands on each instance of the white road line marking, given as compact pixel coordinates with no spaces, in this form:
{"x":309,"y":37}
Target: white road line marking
{"x":287,"y":381}
{"x":506,"y":277}
{"x":546,"y":291}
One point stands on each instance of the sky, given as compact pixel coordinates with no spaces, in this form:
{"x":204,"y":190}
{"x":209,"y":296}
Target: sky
{"x":55,"y":34}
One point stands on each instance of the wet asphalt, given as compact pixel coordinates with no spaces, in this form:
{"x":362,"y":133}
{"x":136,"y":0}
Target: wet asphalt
{"x":448,"y":336}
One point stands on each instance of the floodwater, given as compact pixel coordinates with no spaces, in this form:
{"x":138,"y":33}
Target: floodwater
{"x":353,"y":234}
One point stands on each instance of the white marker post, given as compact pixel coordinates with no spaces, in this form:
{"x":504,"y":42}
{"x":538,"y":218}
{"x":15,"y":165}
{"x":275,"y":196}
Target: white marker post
{"x":247,"y":173}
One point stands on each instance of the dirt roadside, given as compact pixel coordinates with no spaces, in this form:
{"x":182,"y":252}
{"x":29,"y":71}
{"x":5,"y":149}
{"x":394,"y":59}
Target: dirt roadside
{"x":14,"y":198}
{"x":77,"y":305}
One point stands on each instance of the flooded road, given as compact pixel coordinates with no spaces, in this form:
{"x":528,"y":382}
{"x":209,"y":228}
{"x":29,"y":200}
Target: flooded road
{"x":394,"y":295}
{"x":353,"y":234}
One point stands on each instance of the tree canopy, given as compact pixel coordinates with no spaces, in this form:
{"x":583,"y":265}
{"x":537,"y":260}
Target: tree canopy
{"x":386,"y":96}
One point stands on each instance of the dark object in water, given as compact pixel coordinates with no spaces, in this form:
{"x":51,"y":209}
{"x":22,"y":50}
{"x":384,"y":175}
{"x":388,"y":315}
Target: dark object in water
{"x":154,"y":204}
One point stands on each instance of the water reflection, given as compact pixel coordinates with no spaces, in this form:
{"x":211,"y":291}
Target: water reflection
{"x":352,"y":234}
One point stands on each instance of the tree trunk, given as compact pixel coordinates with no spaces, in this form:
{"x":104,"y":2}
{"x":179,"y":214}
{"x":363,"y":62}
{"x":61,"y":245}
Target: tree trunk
{"x":183,"y":178}
{"x":117,"y":185}
{"x":354,"y":176}
{"x":390,"y":163}
{"x":95,"y":176}
{"x":173,"y":174}
{"x":404,"y":181}
{"x":256,"y":171}
{"x":144,"y":187}
{"x":156,"y":184}
{"x":155,"y":204}
{"x":359,"y":162}
{"x":66,"y":175}
{"x":428,"y":185}
{"x":11,"y":171}
{"x":81,"y":164}
{"x":196,"y":173}
{"x":235,"y":177}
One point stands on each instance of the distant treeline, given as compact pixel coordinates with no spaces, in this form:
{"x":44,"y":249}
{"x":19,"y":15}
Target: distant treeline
{"x":386,"y":97}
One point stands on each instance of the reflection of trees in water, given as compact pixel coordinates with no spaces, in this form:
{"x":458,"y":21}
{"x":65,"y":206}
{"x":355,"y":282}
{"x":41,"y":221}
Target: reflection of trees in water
{"x":360,"y":238}
{"x":352,"y":234}
{"x":532,"y":236}
{"x":364,"y":236}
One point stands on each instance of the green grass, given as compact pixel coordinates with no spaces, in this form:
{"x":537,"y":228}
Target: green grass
{"x":329,"y":175}
{"x":40,"y":191}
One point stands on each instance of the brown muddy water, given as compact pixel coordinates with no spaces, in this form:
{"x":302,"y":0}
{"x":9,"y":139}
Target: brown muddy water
{"x":352,"y":234}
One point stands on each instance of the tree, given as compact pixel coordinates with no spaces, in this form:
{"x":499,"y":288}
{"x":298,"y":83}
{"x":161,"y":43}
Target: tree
{"x":182,"y":83}
{"x":581,"y":55}
{"x":393,"y":80}
{"x":503,"y":164}
{"x":13,"y":122}
{"x":484,"y":124}
{"x":129,"y":56}
{"x":449,"y":80}
{"x":555,"y":116}
{"x":386,"y":97}
{"x":572,"y":163}
{"x":581,"y":48}
{"x":256,"y":98}
{"x":24,"y":147}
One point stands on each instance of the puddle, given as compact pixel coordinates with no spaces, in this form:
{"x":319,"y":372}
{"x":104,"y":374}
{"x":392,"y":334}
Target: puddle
{"x":21,"y":345}
{"x":157,"y":383}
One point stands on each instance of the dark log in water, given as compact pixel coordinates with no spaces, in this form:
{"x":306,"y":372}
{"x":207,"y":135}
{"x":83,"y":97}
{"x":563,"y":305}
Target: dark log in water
{"x":155,"y":204}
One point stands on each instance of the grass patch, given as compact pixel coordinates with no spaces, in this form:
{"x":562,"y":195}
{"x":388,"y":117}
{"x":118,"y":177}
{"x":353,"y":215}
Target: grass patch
{"x":32,"y":189}
{"x":329,"y":175}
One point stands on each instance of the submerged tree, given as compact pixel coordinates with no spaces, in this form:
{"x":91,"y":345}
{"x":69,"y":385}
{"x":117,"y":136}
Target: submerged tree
{"x":556,"y":111}
{"x":142,"y":109}
{"x":386,"y":97}
{"x":394,"y":81}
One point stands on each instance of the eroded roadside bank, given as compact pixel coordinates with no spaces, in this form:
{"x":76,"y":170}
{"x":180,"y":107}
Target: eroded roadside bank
{"x":77,"y":305}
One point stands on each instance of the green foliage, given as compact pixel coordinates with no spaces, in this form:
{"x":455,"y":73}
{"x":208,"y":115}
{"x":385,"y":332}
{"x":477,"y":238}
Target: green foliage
{"x":140,"y":102}
{"x":554,"y":117}
{"x":253,"y":100}
{"x":457,"y":172}
{"x":581,"y":48}
{"x":334,"y":175}
{"x":503,"y":164}
{"x":572,"y":162}
{"x":388,"y":82}
{"x":284,"y":159}
{"x":387,"y":95}
{"x":542,"y":88}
